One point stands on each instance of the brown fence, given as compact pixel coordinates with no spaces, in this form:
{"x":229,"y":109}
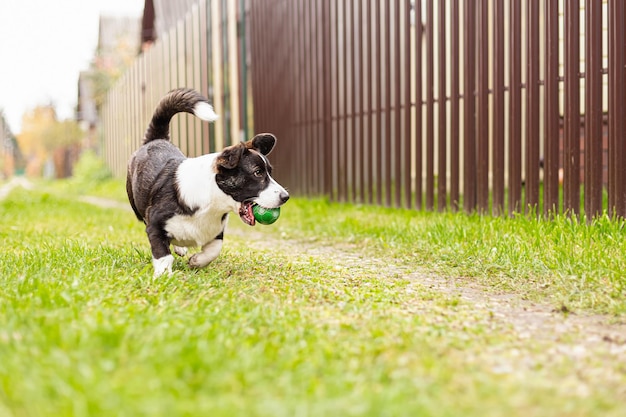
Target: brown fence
{"x":495,"y":106}
{"x":487,"y":105}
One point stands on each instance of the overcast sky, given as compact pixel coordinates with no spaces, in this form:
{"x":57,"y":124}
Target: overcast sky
{"x":44,"y":44}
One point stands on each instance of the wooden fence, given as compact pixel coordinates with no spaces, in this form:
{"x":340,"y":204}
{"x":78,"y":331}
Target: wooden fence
{"x":201,"y":51}
{"x":495,"y":106}
{"x":488,"y":105}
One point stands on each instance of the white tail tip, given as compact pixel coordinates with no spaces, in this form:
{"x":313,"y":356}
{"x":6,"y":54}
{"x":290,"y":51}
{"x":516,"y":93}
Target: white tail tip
{"x":205,"y":111}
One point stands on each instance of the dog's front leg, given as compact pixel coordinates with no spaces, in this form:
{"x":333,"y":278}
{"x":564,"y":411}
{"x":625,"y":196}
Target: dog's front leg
{"x":162,"y":259}
{"x":209,"y":252}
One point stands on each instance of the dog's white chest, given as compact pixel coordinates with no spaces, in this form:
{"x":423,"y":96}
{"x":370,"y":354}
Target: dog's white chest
{"x":195,"y":230}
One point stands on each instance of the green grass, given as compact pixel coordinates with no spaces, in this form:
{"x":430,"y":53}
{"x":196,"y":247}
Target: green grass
{"x":85,"y":330}
{"x":563,"y":261}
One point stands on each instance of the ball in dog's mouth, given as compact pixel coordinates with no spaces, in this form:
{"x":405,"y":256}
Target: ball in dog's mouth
{"x":251,"y":213}
{"x":265,"y":215}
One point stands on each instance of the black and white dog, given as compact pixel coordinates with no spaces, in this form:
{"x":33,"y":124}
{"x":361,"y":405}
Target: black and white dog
{"x":185,"y":201}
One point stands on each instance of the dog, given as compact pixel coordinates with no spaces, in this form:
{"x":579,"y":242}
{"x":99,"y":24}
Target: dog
{"x":185,"y":202}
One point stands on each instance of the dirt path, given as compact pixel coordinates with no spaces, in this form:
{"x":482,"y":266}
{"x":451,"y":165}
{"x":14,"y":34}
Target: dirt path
{"x":557,"y":335}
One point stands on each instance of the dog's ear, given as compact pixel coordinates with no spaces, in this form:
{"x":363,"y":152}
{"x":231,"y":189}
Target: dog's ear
{"x":229,"y":158}
{"x":263,"y":143}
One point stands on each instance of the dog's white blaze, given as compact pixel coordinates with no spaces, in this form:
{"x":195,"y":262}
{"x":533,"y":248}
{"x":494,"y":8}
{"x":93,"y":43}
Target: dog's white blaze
{"x":270,"y":197}
{"x":163,"y":264}
{"x":205,"y":111}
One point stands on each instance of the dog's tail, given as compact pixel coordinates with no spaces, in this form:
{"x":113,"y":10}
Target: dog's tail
{"x":176,"y":101}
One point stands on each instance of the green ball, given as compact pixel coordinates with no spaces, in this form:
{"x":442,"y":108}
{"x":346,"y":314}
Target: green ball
{"x":265,"y":215}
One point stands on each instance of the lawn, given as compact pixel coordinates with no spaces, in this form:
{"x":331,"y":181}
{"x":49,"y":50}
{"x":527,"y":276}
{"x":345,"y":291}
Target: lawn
{"x":324,"y":313}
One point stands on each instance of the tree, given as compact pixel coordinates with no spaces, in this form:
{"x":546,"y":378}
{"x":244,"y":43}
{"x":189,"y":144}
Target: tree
{"x":44,"y":137}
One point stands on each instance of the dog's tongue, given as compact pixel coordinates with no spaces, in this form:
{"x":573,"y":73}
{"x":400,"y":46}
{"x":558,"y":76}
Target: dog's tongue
{"x":245,"y":212}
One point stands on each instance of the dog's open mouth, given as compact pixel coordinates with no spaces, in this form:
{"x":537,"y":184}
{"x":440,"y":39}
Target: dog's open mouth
{"x":246,"y":214}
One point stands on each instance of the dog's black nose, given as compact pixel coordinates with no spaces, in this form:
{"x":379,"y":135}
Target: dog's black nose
{"x":283,"y":197}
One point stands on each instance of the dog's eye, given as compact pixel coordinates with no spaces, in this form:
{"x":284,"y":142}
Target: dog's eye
{"x":258,"y":172}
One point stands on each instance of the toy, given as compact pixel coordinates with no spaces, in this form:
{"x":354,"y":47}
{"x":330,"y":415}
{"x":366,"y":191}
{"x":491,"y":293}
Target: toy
{"x":265,"y":215}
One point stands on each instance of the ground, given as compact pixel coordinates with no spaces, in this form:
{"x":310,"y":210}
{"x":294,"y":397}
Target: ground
{"x":574,"y":354}
{"x":569,"y":335}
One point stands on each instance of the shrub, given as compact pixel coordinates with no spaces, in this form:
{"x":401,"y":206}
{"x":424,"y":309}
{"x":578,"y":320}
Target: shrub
{"x":91,"y":168}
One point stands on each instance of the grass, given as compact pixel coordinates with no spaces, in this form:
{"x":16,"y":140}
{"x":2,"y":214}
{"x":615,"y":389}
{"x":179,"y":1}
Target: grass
{"x":85,"y":330}
{"x":563,"y":261}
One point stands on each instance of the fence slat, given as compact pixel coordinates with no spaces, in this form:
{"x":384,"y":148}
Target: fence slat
{"x":593,"y":108}
{"x":482,"y":141}
{"x":469,"y":110}
{"x":387,"y":178}
{"x":442,"y":151}
{"x":571,"y":128}
{"x":362,"y":88}
{"x":418,"y":143}
{"x":617,"y":110}
{"x":299,"y":76}
{"x":396,"y":148}
{"x":498,"y":107}
{"x":454,"y":108}
{"x":406,"y":139}
{"x":515,"y":108}
{"x":532,"y":108}
{"x":326,"y":48}
{"x":430,"y":106}
{"x":377,"y":143}
{"x":551,"y":109}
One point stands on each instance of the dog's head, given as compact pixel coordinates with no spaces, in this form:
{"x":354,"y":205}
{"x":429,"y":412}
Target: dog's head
{"x":244,"y":173}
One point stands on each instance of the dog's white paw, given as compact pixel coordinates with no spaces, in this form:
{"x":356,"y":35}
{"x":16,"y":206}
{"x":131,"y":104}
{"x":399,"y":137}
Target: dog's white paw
{"x":180,"y":251}
{"x":163,"y":264}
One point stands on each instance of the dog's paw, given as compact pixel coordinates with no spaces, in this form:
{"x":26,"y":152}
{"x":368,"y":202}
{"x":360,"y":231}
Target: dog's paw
{"x":162,"y":265}
{"x":197,"y":261}
{"x":210,"y":251}
{"x":180,"y":251}
{"x":200,"y":260}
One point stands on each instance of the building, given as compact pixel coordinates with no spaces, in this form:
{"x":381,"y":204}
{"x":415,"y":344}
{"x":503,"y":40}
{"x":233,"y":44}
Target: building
{"x":119,"y":40}
{"x":11,"y":160}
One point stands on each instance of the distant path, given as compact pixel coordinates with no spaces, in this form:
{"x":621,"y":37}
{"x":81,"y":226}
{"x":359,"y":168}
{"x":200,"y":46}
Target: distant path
{"x":105,"y":202}
{"x":13,"y":183}
{"x":96,"y":201}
